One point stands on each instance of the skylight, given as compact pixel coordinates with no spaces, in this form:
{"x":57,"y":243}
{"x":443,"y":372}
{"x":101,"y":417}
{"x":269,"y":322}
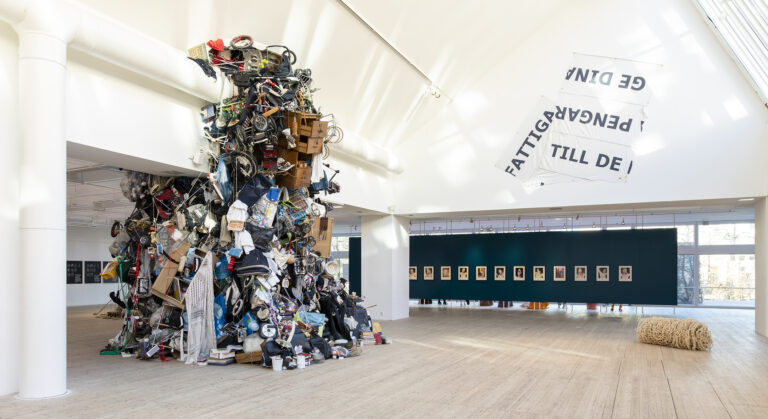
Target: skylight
{"x":743,"y":26}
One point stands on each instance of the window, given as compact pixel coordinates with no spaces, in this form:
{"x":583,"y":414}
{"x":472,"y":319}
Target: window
{"x":340,"y":253}
{"x":340,"y":244}
{"x":686,"y":235}
{"x":685,"y":277}
{"x":727,"y":278}
{"x":719,"y":234}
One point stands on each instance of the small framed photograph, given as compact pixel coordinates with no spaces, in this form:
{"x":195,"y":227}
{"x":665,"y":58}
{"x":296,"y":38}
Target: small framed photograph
{"x":580,"y":273}
{"x":429,"y":273}
{"x":558,"y":273}
{"x":481,"y":273}
{"x":519,"y":273}
{"x":412,"y":273}
{"x":499,"y":273}
{"x":445,"y":273}
{"x":625,"y":273}
{"x":463,"y":273}
{"x":602,"y":273}
{"x":538,"y":273}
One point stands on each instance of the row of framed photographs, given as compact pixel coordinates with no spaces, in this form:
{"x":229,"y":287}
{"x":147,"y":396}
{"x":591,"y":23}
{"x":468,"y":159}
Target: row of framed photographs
{"x":602,"y":273}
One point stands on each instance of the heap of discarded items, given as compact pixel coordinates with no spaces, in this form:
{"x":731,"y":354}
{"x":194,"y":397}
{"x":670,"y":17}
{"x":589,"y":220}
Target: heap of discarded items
{"x":234,"y":264}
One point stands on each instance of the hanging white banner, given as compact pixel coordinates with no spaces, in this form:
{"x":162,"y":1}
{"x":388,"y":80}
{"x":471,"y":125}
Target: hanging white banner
{"x":610,"y":78}
{"x":586,"y":158}
{"x":606,"y":120}
{"x":525,"y":149}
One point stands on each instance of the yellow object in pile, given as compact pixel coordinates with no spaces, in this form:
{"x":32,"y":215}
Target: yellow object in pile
{"x":109,"y":271}
{"x":376,"y":327}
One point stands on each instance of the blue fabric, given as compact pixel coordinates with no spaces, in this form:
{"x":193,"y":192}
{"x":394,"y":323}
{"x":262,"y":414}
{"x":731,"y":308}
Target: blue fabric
{"x":223,"y":176}
{"x":254,"y":189}
{"x":219,"y":314}
{"x":221,"y":269}
{"x":312,"y":319}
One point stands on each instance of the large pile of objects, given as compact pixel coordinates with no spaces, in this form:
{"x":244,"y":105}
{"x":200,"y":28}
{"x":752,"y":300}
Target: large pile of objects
{"x":676,"y":333}
{"x":234,"y":265}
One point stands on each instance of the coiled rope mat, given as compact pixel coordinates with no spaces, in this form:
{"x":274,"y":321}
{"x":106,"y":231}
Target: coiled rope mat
{"x":677,"y":333}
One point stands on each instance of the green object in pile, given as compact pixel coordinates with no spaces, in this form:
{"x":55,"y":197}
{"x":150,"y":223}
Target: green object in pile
{"x":128,"y":307}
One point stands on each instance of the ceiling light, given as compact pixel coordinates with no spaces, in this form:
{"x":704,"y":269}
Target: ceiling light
{"x":746,"y":199}
{"x":434,"y":91}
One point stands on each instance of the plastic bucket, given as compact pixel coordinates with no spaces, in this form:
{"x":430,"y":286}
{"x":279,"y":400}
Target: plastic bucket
{"x":301,"y":362}
{"x":277,"y":363}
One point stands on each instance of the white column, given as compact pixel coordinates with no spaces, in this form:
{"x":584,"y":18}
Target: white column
{"x":761,"y":266}
{"x":384,"y":266}
{"x":42,"y":71}
{"x":9,"y":217}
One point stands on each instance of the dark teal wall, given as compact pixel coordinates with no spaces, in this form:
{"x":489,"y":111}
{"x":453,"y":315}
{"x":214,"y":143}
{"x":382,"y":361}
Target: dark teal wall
{"x":651,"y":253}
{"x":354,"y":265}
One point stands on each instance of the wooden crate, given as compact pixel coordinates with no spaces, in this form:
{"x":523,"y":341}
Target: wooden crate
{"x":316,"y":129}
{"x":297,"y":177}
{"x":304,"y":122}
{"x":309,"y":145}
{"x":293,"y":156}
{"x":243,"y":358}
{"x":291,"y":123}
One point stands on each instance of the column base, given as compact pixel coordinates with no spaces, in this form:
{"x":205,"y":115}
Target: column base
{"x":66,"y":393}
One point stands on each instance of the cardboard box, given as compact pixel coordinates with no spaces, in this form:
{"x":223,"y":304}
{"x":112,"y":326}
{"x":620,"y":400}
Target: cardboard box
{"x":322,"y":231}
{"x":167,"y":281}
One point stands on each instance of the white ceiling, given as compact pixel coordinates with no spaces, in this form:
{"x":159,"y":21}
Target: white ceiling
{"x":94,"y":197}
{"x":454,"y":42}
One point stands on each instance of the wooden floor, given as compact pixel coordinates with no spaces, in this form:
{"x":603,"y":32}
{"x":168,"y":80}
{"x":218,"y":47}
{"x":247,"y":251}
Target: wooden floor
{"x":445,"y":362}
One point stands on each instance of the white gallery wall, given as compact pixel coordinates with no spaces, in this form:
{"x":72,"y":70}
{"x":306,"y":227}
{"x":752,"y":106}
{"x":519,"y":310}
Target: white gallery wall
{"x":88,"y":244}
{"x":705,"y":134}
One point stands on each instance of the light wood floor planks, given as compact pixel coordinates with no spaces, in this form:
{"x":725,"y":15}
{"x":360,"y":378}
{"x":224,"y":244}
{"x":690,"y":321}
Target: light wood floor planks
{"x":445,"y":362}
